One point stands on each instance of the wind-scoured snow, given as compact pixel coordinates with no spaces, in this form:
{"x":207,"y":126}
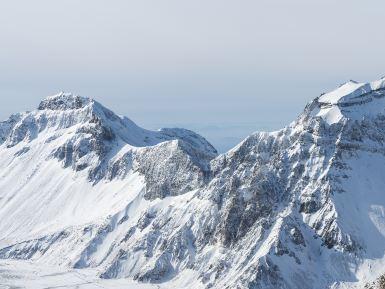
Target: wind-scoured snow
{"x":91,"y":194}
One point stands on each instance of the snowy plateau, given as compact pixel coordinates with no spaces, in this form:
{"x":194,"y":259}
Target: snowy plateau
{"x":90,"y":200}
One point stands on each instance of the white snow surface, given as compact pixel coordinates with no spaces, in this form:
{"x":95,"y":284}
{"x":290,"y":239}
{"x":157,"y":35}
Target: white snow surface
{"x":90,"y":200}
{"x":337,"y":104}
{"x":24,"y":274}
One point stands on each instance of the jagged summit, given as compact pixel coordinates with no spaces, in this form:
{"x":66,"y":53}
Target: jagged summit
{"x":64,"y":101}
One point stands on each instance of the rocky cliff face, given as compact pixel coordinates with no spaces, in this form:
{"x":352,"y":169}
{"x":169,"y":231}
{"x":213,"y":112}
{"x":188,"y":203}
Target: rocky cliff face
{"x":302,"y":207}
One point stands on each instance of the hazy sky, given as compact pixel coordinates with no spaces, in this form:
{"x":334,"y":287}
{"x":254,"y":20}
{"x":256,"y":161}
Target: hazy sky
{"x":224,"y":68}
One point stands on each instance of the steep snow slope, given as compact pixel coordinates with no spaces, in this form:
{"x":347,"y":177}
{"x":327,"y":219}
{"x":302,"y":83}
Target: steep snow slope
{"x":303,"y":207}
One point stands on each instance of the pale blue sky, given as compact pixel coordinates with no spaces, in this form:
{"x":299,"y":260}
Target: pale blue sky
{"x":224,"y":68}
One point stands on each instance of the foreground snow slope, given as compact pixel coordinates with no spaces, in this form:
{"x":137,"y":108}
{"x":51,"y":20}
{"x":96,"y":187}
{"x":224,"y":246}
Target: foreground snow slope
{"x":303,"y":207}
{"x":16,"y":274}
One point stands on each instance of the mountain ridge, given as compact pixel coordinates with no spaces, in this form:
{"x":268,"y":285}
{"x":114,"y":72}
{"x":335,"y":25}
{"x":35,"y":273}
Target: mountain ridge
{"x":302,"y":207}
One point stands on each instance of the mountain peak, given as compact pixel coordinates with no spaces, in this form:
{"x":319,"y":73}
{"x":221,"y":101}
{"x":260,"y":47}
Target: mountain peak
{"x":351,"y":90}
{"x":64,"y":101}
{"x":87,"y":118}
{"x":352,"y":100}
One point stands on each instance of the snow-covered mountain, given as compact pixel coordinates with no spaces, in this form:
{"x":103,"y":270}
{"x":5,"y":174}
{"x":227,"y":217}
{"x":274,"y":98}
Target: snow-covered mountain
{"x":303,"y":207}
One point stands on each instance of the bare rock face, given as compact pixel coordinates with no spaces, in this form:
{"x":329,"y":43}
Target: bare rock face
{"x":378,"y":284}
{"x":381,"y":282}
{"x":174,"y":172}
{"x":302,"y":207}
{"x":64,"y":101}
